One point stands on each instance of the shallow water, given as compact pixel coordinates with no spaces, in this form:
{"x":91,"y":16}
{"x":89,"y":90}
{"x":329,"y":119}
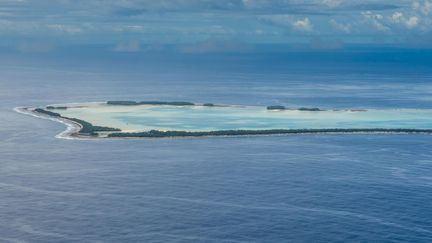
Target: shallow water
{"x":305,"y":188}
{"x":230,"y":117}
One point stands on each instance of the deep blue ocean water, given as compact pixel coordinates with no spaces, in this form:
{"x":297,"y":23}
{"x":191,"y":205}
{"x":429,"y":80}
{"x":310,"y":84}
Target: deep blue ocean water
{"x":305,"y":188}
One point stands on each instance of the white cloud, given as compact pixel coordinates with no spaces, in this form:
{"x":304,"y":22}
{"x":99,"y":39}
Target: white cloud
{"x":425,"y":8}
{"x":376,"y":21}
{"x":370,"y":15}
{"x":129,"y":28}
{"x":187,"y":21}
{"x":346,"y":28}
{"x":409,"y":22}
{"x":412,"y":22}
{"x":304,"y":25}
{"x":397,"y":17}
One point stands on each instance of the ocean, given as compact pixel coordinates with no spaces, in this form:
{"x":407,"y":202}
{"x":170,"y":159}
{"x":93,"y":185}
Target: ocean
{"x":287,"y":188}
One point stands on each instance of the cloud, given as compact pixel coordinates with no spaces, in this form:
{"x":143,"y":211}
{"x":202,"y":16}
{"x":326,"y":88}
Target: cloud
{"x":129,"y":28}
{"x":346,"y":28}
{"x":133,"y":8}
{"x":376,"y":20}
{"x":188,"y":21}
{"x":423,"y":7}
{"x":304,"y":24}
{"x":412,"y":22}
{"x":397,"y":17}
{"x":409,"y":22}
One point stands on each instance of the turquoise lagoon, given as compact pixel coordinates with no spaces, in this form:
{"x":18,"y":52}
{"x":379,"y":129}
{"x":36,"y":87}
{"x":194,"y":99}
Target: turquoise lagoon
{"x":236,"y":117}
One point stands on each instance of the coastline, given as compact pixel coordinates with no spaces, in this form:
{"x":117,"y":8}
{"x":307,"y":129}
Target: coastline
{"x":74,"y":130}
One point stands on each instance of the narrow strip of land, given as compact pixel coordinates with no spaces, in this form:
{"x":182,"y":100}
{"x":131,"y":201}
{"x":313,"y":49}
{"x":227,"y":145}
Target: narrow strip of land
{"x":78,"y":128}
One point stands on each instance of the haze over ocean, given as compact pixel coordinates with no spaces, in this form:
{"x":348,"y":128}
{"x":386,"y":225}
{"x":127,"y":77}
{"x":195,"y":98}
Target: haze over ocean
{"x":342,"y":54}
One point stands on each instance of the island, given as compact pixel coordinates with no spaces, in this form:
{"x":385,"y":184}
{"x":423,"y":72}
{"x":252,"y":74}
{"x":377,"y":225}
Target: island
{"x":309,"y":109}
{"x":50,"y":107}
{"x":158,"y":119}
{"x":281,"y":108}
{"x":174,"y":103}
{"x":161,"y":134}
{"x":86,"y":128}
{"x":276,"y":107}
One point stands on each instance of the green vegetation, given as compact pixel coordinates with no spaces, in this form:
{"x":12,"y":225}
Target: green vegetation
{"x":127,"y":102}
{"x":309,"y":109}
{"x":208,"y":104}
{"x":45,"y":112}
{"x":86,"y":127}
{"x":280,"y":107}
{"x":276,"y":107}
{"x":56,"y":107}
{"x":122,"y":103}
{"x":160,"y":134}
{"x":176,"y":103}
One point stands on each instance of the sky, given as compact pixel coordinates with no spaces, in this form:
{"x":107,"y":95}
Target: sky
{"x":134,"y":25}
